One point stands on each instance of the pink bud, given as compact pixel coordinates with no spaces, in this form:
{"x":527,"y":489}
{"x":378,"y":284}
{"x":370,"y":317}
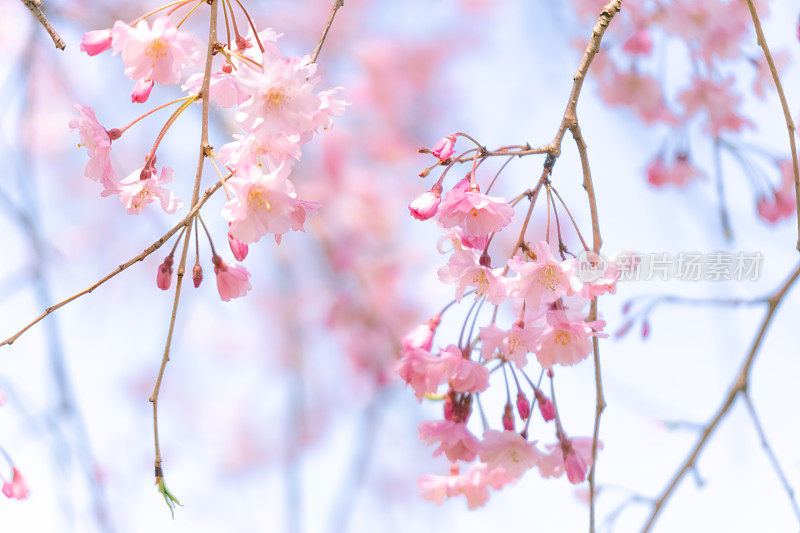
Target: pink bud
{"x":164,"y":276}
{"x":508,"y":417}
{"x":238,"y":248}
{"x":227,"y":68}
{"x":485,"y":260}
{"x":16,"y":488}
{"x":545,"y":406}
{"x":444,"y":148}
{"x":197,"y":275}
{"x":141,"y":91}
{"x":626,"y":307}
{"x":96,"y":42}
{"x":624,"y":329}
{"x":523,"y":406}
{"x":426,"y":204}
{"x":645,"y":329}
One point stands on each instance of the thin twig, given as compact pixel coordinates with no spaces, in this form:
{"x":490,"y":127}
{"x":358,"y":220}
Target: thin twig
{"x":147,"y":251}
{"x":739,"y":386}
{"x":35,"y":7}
{"x":771,"y":453}
{"x":762,"y":42}
{"x":336,"y":5}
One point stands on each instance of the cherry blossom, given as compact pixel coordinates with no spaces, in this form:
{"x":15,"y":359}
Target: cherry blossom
{"x":564,"y":341}
{"x":568,"y":455}
{"x":454,"y":439}
{"x":717,"y":102}
{"x":233,"y":280}
{"x":422,"y":370}
{"x":510,"y":451}
{"x":542,"y":280}
{"x":16,"y":488}
{"x":463,"y":374}
{"x":159,"y":53}
{"x":474,"y":485}
{"x":265,"y":202}
{"x":444,"y":148}
{"x":98,"y":144}
{"x":426,"y":205}
{"x":513,"y":345}
{"x":474,"y":212}
{"x":223,"y":89}
{"x":143,"y":186}
{"x":680,"y":173}
{"x":96,"y":42}
{"x":464,"y":271}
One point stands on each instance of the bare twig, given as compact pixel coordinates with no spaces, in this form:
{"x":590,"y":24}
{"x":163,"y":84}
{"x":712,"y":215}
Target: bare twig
{"x":336,"y":5}
{"x":739,"y":386}
{"x":762,"y":42}
{"x":35,"y":7}
{"x":147,"y":251}
{"x":770,"y":453}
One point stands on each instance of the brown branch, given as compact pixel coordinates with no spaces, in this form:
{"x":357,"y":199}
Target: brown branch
{"x":739,"y":386}
{"x":762,"y":42}
{"x":35,"y":7}
{"x":205,"y":151}
{"x":336,"y":5}
{"x":147,"y":251}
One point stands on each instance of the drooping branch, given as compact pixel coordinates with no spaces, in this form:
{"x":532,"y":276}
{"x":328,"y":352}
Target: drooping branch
{"x":762,"y":42}
{"x":336,"y":5}
{"x":737,"y":388}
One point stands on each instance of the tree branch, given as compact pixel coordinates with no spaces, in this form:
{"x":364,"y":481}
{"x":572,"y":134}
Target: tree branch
{"x":35,"y":7}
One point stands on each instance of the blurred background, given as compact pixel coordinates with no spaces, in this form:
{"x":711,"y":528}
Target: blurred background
{"x":280,"y":411}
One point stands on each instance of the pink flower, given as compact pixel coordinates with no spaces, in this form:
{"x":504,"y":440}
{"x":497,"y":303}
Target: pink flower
{"x":717,"y":102}
{"x":474,"y":212}
{"x":223,"y":88}
{"x":422,"y":370}
{"x":640,"y":43}
{"x":426,"y":204}
{"x":264,"y":203}
{"x":712,"y":27}
{"x":595,"y":275}
{"x":96,"y":42}
{"x":159,"y":54}
{"x":641,"y":92}
{"x":16,"y":488}
{"x":141,"y":91}
{"x":474,"y":485}
{"x":457,"y":443}
{"x":510,"y":451}
{"x":783,"y":201}
{"x":513,"y":345}
{"x":238,"y":248}
{"x":680,"y":173}
{"x":164,"y":276}
{"x":572,"y":456}
{"x":543,"y":280}
{"x":565,"y":342}
{"x":444,"y":149}
{"x":98,"y":144}
{"x":421,"y":336}
{"x":142,"y":187}
{"x":463,"y":374}
{"x":233,"y":280}
{"x":463,"y":270}
{"x":268,"y":152}
{"x":282,"y":98}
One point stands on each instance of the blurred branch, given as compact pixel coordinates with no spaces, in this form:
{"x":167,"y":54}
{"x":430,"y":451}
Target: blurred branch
{"x":187,"y":220}
{"x":35,"y":6}
{"x":771,"y":454}
{"x":762,"y":42}
{"x":738,"y":387}
{"x":336,"y":5}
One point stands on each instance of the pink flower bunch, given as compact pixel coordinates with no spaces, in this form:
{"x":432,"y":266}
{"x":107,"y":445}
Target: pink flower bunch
{"x":548,"y":296}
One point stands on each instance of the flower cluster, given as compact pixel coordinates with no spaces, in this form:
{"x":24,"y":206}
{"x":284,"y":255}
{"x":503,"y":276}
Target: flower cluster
{"x":716,"y":35}
{"x":543,"y":298}
{"x":275,"y":102}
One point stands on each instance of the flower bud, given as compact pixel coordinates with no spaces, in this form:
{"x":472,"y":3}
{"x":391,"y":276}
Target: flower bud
{"x":545,"y":406}
{"x":444,"y":148}
{"x":426,"y":204}
{"x":523,"y":406}
{"x":141,"y":91}
{"x":96,"y":42}
{"x":238,"y":248}
{"x":508,"y":417}
{"x":197,"y":275}
{"x":164,"y":276}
